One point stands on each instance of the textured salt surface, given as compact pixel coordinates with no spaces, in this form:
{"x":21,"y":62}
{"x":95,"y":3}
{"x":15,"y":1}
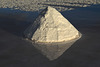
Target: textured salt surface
{"x":34,"y":5}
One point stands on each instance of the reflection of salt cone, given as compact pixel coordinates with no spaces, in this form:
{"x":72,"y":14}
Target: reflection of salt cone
{"x":53,"y":50}
{"x":51,"y":27}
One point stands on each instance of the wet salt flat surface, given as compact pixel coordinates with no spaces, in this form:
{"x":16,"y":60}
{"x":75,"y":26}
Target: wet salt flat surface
{"x":17,"y":52}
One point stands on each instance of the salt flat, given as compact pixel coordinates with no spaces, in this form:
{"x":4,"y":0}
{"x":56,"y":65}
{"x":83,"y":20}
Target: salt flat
{"x":36,"y":5}
{"x":16,"y":52}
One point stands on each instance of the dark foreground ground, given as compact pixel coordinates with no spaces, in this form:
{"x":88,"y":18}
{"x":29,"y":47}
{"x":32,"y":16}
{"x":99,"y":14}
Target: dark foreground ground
{"x":16,"y":52}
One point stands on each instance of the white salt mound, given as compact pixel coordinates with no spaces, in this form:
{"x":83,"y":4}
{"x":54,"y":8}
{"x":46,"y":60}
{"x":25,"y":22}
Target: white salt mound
{"x":51,"y":26}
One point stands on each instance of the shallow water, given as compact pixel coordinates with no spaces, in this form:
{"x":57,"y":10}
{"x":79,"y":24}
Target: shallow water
{"x":16,"y":52}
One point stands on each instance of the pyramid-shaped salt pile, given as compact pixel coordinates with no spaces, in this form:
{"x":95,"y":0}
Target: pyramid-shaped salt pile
{"x":51,"y":27}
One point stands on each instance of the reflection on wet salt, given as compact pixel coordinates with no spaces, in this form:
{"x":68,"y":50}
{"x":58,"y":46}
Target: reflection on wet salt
{"x":54,"y":50}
